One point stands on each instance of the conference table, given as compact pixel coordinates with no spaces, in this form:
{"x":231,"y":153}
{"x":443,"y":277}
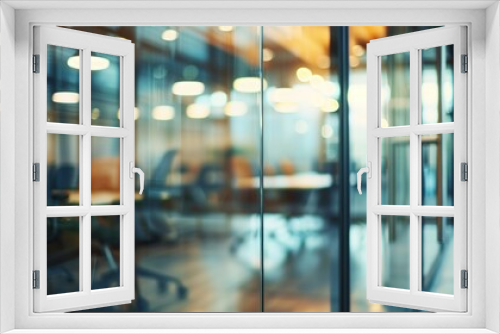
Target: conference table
{"x":300,"y":181}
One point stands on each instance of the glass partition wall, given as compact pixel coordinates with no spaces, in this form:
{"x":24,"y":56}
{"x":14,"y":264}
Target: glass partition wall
{"x":250,"y":138}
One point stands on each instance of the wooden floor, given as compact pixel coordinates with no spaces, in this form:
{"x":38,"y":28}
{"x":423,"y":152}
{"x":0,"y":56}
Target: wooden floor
{"x":217,"y":258}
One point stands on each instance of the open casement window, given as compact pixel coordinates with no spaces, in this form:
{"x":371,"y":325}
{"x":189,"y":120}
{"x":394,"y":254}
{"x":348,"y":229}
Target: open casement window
{"x":84,"y":168}
{"x":416,"y":189}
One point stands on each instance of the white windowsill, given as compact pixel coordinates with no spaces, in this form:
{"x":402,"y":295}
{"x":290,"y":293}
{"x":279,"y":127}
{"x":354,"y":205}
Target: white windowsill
{"x":251,"y":331}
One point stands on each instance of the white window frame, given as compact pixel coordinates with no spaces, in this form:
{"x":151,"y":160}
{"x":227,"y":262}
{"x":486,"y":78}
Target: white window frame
{"x":413,"y":44}
{"x":483,"y":261}
{"x":86,"y":43}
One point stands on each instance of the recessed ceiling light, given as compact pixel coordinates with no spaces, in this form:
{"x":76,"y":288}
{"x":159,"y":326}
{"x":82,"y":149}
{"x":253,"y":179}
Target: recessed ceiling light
{"x":267,"y":54}
{"x":188,"y":88}
{"x":218,"y":99}
{"x":248,"y":84}
{"x":65,"y":97}
{"x":304,"y":74}
{"x":197,"y":111}
{"x":235,"y":108}
{"x":330,"y":105}
{"x":163,"y":113}
{"x":170,"y":35}
{"x":226,"y":28}
{"x":96,"y":63}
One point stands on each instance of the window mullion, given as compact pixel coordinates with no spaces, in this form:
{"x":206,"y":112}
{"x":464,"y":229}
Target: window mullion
{"x":85,"y":176}
{"x":414,"y":172}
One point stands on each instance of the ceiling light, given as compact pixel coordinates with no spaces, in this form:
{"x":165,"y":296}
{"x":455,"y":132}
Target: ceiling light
{"x":65,"y":97}
{"x":197,"y":111}
{"x":95,"y":113}
{"x":330,"y":105}
{"x":286,"y":107}
{"x":137,"y":113}
{"x":218,"y":99}
{"x":226,"y":28}
{"x":248,"y":84}
{"x":163,"y":113}
{"x":96,"y":63}
{"x":170,"y":35}
{"x":267,"y":54}
{"x":236,"y":108}
{"x":304,"y":74}
{"x":358,"y":50}
{"x":188,"y":88}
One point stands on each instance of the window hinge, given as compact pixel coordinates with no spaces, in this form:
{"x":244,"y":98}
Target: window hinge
{"x":464,"y":279}
{"x":464,"y":171}
{"x":36,"y":172}
{"x":36,"y":63}
{"x":465,"y":64}
{"x":36,"y":279}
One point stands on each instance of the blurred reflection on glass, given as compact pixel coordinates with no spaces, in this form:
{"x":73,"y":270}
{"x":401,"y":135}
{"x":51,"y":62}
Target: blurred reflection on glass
{"x":437,"y":254}
{"x":105,"y":171}
{"x":63,"y":170}
{"x":359,"y":36}
{"x":301,"y":135}
{"x":198,"y":141}
{"x":395,"y":90}
{"x":105,"y":85}
{"x":105,"y":248}
{"x":437,"y":84}
{"x":63,"y":255}
{"x":395,"y":170}
{"x":63,"y":85}
{"x":437,"y":169}
{"x":395,"y":251}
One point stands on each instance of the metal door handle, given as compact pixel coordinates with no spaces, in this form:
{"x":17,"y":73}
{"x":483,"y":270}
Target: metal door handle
{"x":368,"y":171}
{"x":141,"y":175}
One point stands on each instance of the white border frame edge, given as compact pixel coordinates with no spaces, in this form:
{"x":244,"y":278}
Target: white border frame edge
{"x":7,"y":167}
{"x":477,"y":319}
{"x":492,"y":164}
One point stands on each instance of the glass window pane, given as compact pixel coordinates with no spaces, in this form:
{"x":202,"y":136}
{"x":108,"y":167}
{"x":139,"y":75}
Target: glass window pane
{"x":105,"y":167}
{"x":437,"y":169}
{"x":105,"y":82}
{"x":63,"y":85}
{"x":63,"y":255}
{"x":437,"y":254}
{"x":395,"y":170}
{"x":437,"y":89}
{"x":395,"y":90}
{"x":395,"y":251}
{"x":105,"y":236}
{"x":301,"y":154}
{"x":63,"y":170}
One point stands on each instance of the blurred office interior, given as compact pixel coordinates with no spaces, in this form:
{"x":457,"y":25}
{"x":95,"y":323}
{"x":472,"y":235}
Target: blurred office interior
{"x":250,"y":139}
